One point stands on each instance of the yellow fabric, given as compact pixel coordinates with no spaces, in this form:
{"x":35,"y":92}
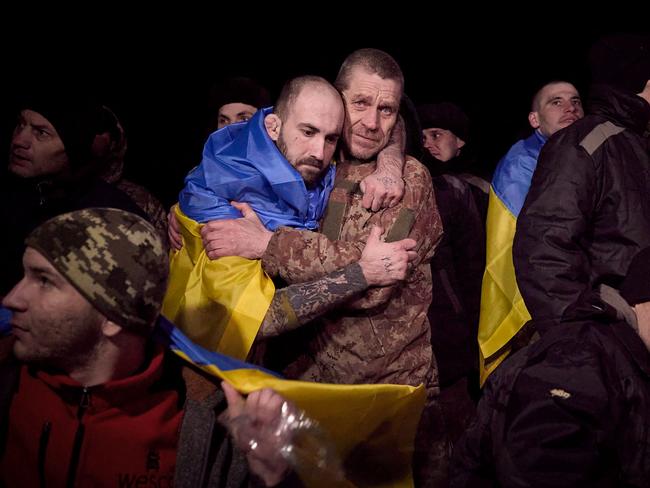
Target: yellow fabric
{"x":374,"y":423}
{"x":218,"y":304}
{"x":503,"y":312}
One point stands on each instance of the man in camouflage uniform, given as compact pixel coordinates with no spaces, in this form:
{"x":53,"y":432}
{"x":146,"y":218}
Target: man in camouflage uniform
{"x":384,"y":335}
{"x":120,"y":409}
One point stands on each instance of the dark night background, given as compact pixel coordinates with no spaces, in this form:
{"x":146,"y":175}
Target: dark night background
{"x":158,"y":83}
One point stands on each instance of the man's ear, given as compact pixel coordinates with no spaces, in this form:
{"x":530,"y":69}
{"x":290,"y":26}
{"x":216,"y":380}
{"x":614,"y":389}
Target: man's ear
{"x":533,"y":120}
{"x":110,"y":328}
{"x":459,"y":143}
{"x":273,"y":124}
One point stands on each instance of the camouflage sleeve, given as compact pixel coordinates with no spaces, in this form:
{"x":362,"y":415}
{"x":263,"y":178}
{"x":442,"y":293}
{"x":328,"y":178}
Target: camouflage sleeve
{"x":426,"y":231}
{"x":299,"y":304}
{"x":299,"y":255}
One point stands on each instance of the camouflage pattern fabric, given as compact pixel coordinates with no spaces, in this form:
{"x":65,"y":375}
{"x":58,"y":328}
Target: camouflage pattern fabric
{"x":115,"y":259}
{"x":151,"y":206}
{"x":384,"y":336}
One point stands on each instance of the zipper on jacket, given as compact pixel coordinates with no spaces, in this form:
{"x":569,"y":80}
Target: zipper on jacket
{"x":84,"y":403}
{"x":42,"y":451}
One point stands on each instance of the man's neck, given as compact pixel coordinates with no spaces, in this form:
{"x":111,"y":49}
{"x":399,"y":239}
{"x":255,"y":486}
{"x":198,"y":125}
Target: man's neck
{"x":111,"y":360}
{"x":346,"y":157}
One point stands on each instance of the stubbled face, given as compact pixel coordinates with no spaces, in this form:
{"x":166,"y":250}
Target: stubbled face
{"x":36,"y":148}
{"x":559,"y":106}
{"x":234,"y":112}
{"x":372,"y":106}
{"x":52,"y":322}
{"x":311,"y":130}
{"x":442,"y":144}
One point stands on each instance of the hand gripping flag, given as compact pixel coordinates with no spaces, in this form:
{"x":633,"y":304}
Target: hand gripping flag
{"x":220,"y":304}
{"x":371,"y":426}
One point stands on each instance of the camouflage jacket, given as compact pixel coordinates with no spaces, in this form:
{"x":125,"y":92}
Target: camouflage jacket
{"x":383,"y":336}
{"x":149,"y":204}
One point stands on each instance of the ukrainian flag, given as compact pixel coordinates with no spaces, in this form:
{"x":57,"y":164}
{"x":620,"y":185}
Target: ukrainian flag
{"x":5,"y":321}
{"x":503,"y":311}
{"x":220,"y":304}
{"x":372,"y":427}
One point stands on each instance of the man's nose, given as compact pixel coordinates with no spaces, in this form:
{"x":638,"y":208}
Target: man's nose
{"x":370,"y":119}
{"x":21,"y":137}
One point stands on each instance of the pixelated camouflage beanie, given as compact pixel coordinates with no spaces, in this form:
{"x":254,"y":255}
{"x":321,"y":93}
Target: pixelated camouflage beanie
{"x":114,"y":258}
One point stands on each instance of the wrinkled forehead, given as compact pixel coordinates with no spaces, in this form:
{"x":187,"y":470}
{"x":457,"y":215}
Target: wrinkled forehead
{"x":364,"y":82}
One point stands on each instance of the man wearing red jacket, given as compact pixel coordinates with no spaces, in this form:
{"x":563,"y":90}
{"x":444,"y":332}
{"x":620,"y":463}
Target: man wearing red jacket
{"x":87,"y":398}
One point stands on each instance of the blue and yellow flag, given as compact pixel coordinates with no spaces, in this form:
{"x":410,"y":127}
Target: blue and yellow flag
{"x":5,"y":321}
{"x":221,"y":304}
{"x":372,"y":426}
{"x":503,"y":311}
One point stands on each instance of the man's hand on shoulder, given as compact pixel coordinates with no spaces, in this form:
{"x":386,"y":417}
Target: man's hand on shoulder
{"x":382,"y":189}
{"x":385,"y":187}
{"x":246,"y":237}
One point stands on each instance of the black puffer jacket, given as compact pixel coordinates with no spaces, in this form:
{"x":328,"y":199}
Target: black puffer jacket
{"x":588,"y":209}
{"x":571,"y":410}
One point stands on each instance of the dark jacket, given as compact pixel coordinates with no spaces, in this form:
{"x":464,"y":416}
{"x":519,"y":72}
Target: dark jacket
{"x":25,"y":203}
{"x":456,"y":271}
{"x":573,"y":410}
{"x":587,"y":212}
{"x":204,"y":455}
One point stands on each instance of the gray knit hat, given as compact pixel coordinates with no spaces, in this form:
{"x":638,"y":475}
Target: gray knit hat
{"x":115,"y":259}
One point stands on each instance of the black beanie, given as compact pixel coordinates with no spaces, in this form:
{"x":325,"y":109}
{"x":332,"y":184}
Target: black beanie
{"x":445,"y":115}
{"x":621,"y":61}
{"x":636,"y":285}
{"x":75,"y":119}
{"x":239,"y":90}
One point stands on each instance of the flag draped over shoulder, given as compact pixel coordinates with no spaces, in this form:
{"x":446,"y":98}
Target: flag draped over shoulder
{"x":503,"y":312}
{"x":242,"y":163}
{"x":371,"y":426}
{"x":221,"y":304}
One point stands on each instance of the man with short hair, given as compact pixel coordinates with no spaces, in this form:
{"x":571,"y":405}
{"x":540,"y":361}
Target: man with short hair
{"x":573,"y":408}
{"x":89,"y":398}
{"x":279,"y":163}
{"x":587,"y":212}
{"x":384,"y":336}
{"x":554,"y":106}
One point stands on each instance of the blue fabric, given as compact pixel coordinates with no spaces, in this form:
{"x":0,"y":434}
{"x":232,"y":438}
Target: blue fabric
{"x":514,"y":172}
{"x":241,"y":163}
{"x":5,"y":321}
{"x":169,"y":335}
